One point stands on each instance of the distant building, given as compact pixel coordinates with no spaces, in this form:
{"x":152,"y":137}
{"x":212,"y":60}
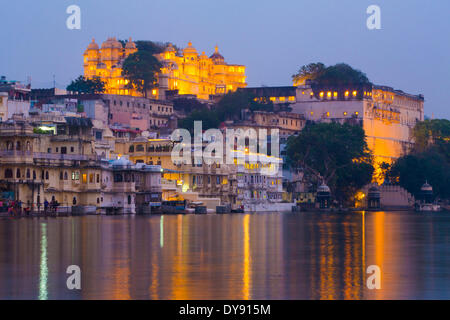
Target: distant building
{"x":136,"y":113}
{"x":386,"y":115}
{"x":186,"y":72}
{"x":14,"y":99}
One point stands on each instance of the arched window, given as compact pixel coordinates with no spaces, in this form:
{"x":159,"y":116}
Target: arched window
{"x":34,"y":175}
{"x":74,"y":201}
{"x":8,"y":174}
{"x":46,"y":175}
{"x":60,"y":175}
{"x":9,"y":145}
{"x":66,"y":176}
{"x":28,"y":146}
{"x":18,"y":173}
{"x":18,"y":146}
{"x":28,"y":174}
{"x":129,"y":199}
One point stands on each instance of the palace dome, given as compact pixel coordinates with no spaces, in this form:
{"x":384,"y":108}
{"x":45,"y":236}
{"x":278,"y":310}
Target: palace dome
{"x":111,"y":43}
{"x":169,"y":48}
{"x":93,"y":45}
{"x":426,"y":187}
{"x":130,"y":44}
{"x":323,"y":188}
{"x":216,"y":56}
{"x":190,"y":50}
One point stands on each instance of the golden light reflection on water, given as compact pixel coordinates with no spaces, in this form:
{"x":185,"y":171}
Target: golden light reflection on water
{"x":247,"y":263}
{"x":259,"y":256}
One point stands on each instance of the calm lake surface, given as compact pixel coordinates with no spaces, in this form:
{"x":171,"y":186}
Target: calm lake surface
{"x":240,"y":256}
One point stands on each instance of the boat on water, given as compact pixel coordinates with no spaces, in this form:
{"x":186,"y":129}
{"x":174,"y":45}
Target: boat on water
{"x":174,"y":207}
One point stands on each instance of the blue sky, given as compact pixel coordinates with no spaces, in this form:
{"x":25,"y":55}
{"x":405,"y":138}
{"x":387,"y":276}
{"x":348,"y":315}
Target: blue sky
{"x":272,"y":38}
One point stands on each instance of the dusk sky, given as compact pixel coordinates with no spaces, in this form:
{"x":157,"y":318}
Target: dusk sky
{"x":272,"y":38}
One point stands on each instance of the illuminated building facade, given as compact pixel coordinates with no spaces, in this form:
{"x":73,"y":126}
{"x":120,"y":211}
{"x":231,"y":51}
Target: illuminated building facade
{"x":186,"y":72}
{"x":106,"y":63}
{"x":387,"y":116}
{"x":197,"y":74}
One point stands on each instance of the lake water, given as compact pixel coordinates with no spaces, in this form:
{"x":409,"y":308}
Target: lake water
{"x":239,"y":256}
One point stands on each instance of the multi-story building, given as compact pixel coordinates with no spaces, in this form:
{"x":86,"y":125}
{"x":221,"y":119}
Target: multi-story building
{"x":14,"y":99}
{"x":136,"y":113}
{"x":254,"y":186}
{"x":59,"y":163}
{"x":186,"y":72}
{"x":386,"y":115}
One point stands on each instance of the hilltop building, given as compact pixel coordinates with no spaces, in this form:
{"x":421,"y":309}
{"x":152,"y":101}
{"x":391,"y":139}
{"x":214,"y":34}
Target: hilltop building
{"x":186,"y":72}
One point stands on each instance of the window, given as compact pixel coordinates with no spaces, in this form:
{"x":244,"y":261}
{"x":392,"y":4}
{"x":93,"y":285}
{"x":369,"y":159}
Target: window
{"x":28,"y":174}
{"x":66,"y":177}
{"x":129,"y":199}
{"x":74,"y":201}
{"x":34,"y":175}
{"x":75,"y":175}
{"x":8,"y":174}
{"x":18,"y":173}
{"x":98,"y":178}
{"x":72,"y":149}
{"x":91,"y":178}
{"x":46,"y":175}
{"x":84,"y":178}
{"x":63,"y":150}
{"x":60,"y":175}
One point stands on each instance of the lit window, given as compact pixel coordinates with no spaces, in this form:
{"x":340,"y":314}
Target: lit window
{"x":328,"y":114}
{"x":312,"y":113}
{"x":321,"y":94}
{"x":329,"y":94}
{"x":273,"y":99}
{"x":355,"y":93}
{"x":345,"y":113}
{"x":347,"y":93}
{"x":335,"y":94}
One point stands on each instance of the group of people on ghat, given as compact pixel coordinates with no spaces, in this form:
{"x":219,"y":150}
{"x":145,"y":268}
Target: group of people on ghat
{"x":16,"y":207}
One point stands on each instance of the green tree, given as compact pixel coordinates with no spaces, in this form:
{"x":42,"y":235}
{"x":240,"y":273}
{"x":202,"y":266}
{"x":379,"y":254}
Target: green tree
{"x":209,"y":120}
{"x":335,"y":153}
{"x":308,"y":72}
{"x":140,"y":69}
{"x":341,"y":75}
{"x":411,"y":172}
{"x":432,"y":132}
{"x":428,"y":161}
{"x":87,"y":86}
{"x":227,"y":108}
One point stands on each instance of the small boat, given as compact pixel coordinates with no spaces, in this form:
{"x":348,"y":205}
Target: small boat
{"x":174,"y":207}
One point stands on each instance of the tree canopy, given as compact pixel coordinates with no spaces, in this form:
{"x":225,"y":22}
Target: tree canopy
{"x":334,"y":153}
{"x":428,"y":161}
{"x":336,"y":76}
{"x":227,"y":108}
{"x":308,"y":72}
{"x":87,"y":86}
{"x":141,"y":67}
